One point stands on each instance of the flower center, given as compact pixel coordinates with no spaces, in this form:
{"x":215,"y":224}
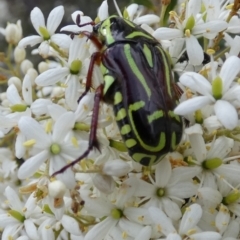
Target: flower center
{"x":55,"y":149}
{"x":212,"y":163}
{"x":75,"y":67}
{"x":116,"y":213}
{"x":17,"y":215}
{"x":44,"y":32}
{"x":160,"y":192}
{"x":217,"y":88}
{"x":231,"y":198}
{"x":18,"y":108}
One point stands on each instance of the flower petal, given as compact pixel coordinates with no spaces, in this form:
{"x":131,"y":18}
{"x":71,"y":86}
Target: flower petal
{"x":13,"y":199}
{"x":31,"y":165}
{"x":167,"y":33}
{"x":27,"y":89}
{"x":31,"y":41}
{"x":51,"y":76}
{"x":215,"y":26}
{"x":194,"y":50}
{"x":37,"y":19}
{"x":226,"y":114}
{"x":61,"y":40}
{"x":103,"y":11}
{"x":160,"y":218}
{"x":229,"y":71}
{"x":62,"y":126}
{"x":71,"y":225}
{"x":33,"y":130}
{"x":190,"y":218}
{"x":220,"y":148}
{"x":13,"y":95}
{"x":100,"y":230}
{"x":148,"y":19}
{"x":54,"y":19}
{"x":163,"y":172}
{"x":197,"y":83}
{"x":191,"y":105}
{"x":206,"y":235}
{"x":72,"y":91}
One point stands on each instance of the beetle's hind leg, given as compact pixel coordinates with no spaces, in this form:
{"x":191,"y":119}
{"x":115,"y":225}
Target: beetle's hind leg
{"x":93,"y":142}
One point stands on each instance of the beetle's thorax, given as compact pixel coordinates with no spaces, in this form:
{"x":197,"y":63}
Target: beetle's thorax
{"x":116,"y":29}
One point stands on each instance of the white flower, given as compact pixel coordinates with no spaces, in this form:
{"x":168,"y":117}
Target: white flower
{"x":19,"y":216}
{"x":64,"y":226}
{"x":212,"y":162}
{"x":74,"y":70}
{"x":56,"y":147}
{"x":187,"y":226}
{"x":75,"y":28}
{"x":190,"y":28}
{"x":221,"y":93}
{"x":46,"y":32}
{"x":115,"y":213}
{"x":171,"y":187}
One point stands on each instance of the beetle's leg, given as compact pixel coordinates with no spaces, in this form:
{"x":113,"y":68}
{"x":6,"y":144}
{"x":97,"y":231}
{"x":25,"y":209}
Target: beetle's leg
{"x":178,"y":91}
{"x":93,"y":132}
{"x":93,"y":39}
{"x":94,"y":58}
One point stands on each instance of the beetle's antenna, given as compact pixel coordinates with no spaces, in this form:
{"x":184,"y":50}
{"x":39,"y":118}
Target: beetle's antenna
{"x":117,"y":8}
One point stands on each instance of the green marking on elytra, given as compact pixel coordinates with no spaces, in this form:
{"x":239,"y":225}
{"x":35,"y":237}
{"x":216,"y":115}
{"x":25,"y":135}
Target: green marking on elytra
{"x":162,"y":140}
{"x":148,"y":55}
{"x":155,"y":115}
{"x":118,"y":98}
{"x":130,"y":143}
{"x":136,"y":106}
{"x":130,"y":23}
{"x":125,"y":129}
{"x":166,"y":70}
{"x":173,"y":140}
{"x":138,"y":34}
{"x":135,"y":69}
{"x":108,"y":81}
{"x":121,"y":114}
{"x":139,"y":156}
{"x":173,"y":115}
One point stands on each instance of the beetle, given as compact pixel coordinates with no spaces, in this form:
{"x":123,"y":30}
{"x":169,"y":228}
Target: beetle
{"x":138,"y":82}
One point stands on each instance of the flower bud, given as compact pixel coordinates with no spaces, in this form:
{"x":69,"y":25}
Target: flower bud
{"x":19,"y":54}
{"x":44,"y":49}
{"x":57,"y":91}
{"x":56,"y":189}
{"x":5,"y":103}
{"x":13,"y":32}
{"x":16,"y":81}
{"x":32,"y":73}
{"x":42,"y":67}
{"x":25,"y":65}
{"x":3,"y":96}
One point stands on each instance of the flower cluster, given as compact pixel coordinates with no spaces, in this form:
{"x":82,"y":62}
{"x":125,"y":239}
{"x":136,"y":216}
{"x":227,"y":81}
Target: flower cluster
{"x":51,"y":115}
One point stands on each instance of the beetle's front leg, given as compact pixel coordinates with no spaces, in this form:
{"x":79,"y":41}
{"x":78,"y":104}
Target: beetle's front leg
{"x":93,"y":142}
